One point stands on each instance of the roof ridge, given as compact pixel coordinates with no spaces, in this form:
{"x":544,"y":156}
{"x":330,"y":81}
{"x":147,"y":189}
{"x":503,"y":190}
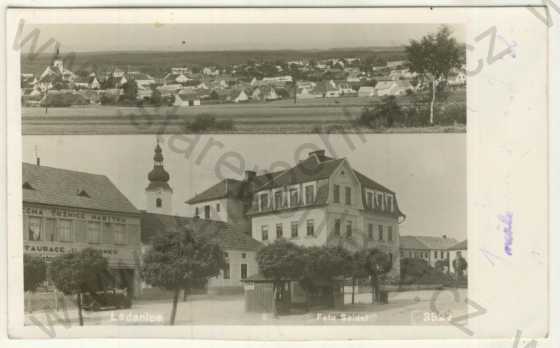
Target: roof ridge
{"x":64,"y":169}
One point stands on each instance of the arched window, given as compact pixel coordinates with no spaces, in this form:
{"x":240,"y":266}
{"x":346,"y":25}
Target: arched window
{"x":158,"y":202}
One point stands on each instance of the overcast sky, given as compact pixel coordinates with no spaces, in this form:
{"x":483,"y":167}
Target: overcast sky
{"x":427,"y":171}
{"x":200,"y":37}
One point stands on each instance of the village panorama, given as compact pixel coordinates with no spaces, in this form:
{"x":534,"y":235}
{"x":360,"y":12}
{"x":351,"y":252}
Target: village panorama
{"x":370,"y":89}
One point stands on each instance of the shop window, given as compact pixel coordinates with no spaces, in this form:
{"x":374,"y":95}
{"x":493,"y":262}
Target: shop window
{"x":64,"y":230}
{"x":50,"y":230}
{"x":34,"y":229}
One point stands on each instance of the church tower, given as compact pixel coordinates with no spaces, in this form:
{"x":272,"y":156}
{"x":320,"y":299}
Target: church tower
{"x":158,"y":192}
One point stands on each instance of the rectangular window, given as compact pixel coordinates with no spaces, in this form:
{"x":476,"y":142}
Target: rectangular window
{"x":294,"y":230}
{"x":348,"y":229}
{"x":378,"y":200}
{"x":264,"y":232}
{"x":207,"y":212}
{"x":119,"y":234}
{"x":277,"y":199}
{"x":380,"y":232}
{"x":196,"y":212}
{"x":309,"y":194}
{"x":435,"y":254}
{"x":310,"y":228}
{"x":336,"y":193}
{"x":390,"y":233}
{"x":294,"y":197}
{"x":93,"y":232}
{"x":370,"y":231}
{"x":64,"y":230}
{"x":243,"y":255}
{"x":218,"y":207}
{"x":226,"y":271}
{"x":50,"y":230}
{"x":279,"y":231}
{"x":337,"y":227}
{"x":243,"y":271}
{"x":264,"y":201}
{"x":348,"y":195}
{"x":370,"y":200}
{"x":34,"y":228}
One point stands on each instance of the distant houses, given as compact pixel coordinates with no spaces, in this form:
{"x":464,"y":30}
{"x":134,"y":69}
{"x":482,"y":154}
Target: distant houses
{"x":254,"y":82}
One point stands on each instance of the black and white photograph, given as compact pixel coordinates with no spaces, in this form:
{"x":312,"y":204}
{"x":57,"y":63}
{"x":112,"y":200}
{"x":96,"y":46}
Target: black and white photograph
{"x":270,"y":174}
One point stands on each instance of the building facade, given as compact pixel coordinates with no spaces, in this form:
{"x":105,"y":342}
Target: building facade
{"x":66,"y":211}
{"x":431,"y":249}
{"x":320,"y":201}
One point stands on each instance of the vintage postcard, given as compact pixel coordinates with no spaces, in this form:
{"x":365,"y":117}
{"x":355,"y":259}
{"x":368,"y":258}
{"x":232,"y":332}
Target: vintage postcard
{"x":278,"y":174}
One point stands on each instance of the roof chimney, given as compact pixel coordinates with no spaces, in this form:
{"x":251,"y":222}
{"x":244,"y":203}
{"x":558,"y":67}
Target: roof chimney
{"x":319,"y":155}
{"x":250,"y":175}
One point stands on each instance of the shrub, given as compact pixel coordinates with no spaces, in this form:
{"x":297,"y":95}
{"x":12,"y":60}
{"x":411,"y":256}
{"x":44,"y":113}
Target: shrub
{"x":418,"y":271}
{"x":383,"y":114}
{"x":205,"y":122}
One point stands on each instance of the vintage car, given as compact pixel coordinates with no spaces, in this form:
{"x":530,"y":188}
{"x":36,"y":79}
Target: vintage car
{"x":109,"y":299}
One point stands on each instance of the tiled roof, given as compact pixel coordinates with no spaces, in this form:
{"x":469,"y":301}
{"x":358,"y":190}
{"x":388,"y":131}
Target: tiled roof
{"x":232,"y":188}
{"x":426,"y":242}
{"x":220,"y":232}
{"x":55,"y":186}
{"x":459,"y":246}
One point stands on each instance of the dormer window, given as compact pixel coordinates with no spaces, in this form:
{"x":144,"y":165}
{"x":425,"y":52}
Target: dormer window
{"x":309,"y":194}
{"x":27,"y":186}
{"x":263,"y":204}
{"x":83,"y":193}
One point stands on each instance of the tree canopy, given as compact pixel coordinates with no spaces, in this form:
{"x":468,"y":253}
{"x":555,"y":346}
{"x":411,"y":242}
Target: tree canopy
{"x":281,"y":260}
{"x":34,"y":272}
{"x":176,"y":261}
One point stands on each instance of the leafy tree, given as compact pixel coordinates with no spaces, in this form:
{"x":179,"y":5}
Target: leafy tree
{"x":383,"y":114}
{"x":375,"y":263}
{"x":79,"y":272}
{"x":34,"y":272}
{"x":358,"y":270}
{"x":214,"y":95}
{"x":434,"y":57}
{"x":176,"y":261}
{"x":282,"y":262}
{"x":130,"y":90}
{"x":156,"y":98}
{"x":460,"y":266}
{"x":323,"y":265}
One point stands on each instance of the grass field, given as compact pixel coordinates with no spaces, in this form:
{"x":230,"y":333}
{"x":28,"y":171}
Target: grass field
{"x":336,"y":115}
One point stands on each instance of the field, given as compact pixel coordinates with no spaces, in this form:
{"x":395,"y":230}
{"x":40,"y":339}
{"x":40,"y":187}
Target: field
{"x":337,"y":115}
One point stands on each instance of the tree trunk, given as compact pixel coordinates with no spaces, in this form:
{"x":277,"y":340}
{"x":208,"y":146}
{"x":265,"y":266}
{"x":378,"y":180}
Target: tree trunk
{"x":434,"y":84}
{"x":295,"y":91}
{"x":174,"y":308}
{"x":353,"y":288}
{"x":274,"y":294}
{"x":79,"y":300}
{"x":185,"y":293}
{"x":374,"y":289}
{"x":372,"y":285}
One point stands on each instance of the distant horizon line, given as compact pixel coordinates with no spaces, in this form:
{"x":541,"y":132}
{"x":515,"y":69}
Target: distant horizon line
{"x":396,"y":47}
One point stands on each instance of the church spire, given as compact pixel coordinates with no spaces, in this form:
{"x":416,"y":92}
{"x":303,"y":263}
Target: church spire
{"x":158,"y":176}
